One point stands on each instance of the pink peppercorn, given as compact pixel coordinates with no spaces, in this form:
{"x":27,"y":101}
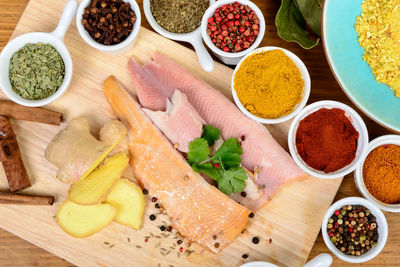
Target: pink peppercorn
{"x":233,"y":27}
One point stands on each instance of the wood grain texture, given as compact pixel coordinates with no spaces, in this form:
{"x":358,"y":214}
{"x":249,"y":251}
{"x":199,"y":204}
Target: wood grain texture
{"x":18,"y":252}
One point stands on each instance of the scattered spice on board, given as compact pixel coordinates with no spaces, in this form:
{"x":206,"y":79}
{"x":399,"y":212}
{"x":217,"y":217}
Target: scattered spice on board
{"x":179,"y":16}
{"x":233,"y":27}
{"x":378,"y":27}
{"x":381,"y":173}
{"x":108,"y":22}
{"x":326,"y":140}
{"x":353,"y":230}
{"x":36,"y":71}
{"x":269,"y":84}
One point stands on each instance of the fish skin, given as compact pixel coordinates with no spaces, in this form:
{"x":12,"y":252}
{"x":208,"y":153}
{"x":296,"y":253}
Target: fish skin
{"x":198,"y":210}
{"x":261,"y":152}
{"x":180,"y":123}
{"x":150,"y":92}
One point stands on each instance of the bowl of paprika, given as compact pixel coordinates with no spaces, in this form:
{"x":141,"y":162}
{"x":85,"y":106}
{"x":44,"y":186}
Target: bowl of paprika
{"x":328,"y":139}
{"x":378,"y":176}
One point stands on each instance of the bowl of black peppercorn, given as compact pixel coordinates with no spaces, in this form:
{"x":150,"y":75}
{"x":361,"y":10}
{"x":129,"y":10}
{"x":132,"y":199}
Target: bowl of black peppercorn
{"x":354,"y":229}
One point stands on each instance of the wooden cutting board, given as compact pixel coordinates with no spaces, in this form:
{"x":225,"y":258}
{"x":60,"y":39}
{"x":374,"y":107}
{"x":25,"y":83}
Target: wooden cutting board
{"x":287,"y":226}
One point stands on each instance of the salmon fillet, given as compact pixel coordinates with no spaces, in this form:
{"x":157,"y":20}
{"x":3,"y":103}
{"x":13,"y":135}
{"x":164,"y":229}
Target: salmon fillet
{"x":198,"y":210}
{"x":261,"y":152}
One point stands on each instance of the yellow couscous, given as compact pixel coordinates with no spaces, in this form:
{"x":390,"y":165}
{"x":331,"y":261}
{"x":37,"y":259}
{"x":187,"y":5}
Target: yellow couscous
{"x":378,"y":29}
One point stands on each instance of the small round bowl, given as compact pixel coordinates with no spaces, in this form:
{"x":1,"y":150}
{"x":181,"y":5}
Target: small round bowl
{"x":358,"y":124}
{"x":304,"y":75}
{"x":358,"y":176}
{"x":380,"y":220}
{"x":194,"y":37}
{"x":115,"y":49}
{"x":227,"y":57}
{"x":56,"y":39}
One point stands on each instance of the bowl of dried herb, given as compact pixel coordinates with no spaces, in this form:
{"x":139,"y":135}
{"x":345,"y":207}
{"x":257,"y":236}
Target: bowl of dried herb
{"x":180,"y":20}
{"x":36,"y":68}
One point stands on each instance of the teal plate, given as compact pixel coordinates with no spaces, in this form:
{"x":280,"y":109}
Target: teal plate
{"x":354,"y":75}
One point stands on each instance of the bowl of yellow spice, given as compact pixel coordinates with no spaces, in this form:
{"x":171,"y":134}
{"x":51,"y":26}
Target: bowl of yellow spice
{"x":271,"y":85}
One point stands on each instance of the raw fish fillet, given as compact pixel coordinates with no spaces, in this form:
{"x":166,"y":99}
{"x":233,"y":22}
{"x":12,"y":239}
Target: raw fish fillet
{"x":261,"y":152}
{"x":150,"y":92}
{"x":180,"y":123}
{"x":198,"y":210}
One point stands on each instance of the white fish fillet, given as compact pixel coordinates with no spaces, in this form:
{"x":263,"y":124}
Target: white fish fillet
{"x":180,"y":123}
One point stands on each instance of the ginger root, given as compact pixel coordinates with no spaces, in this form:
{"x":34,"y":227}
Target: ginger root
{"x":93,"y":188}
{"x":84,"y":220}
{"x":128,"y":199}
{"x":76,"y":152}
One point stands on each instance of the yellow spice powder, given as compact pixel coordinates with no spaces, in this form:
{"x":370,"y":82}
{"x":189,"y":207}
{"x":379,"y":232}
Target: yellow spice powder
{"x":378,"y":29}
{"x":269,"y":84}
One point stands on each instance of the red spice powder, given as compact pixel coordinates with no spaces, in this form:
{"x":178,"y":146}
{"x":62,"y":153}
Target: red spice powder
{"x":326,"y":140}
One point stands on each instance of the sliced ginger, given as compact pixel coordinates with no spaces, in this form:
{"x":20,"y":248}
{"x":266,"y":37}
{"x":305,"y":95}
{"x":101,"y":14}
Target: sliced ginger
{"x":129,"y":201}
{"x":76,"y":152}
{"x":84,"y":220}
{"x":93,"y":188}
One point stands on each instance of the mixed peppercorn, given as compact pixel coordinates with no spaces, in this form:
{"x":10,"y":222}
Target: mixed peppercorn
{"x":233,"y":27}
{"x":353,"y":230}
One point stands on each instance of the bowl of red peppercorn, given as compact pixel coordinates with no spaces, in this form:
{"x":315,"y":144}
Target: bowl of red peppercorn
{"x":328,"y":139}
{"x":354,"y":229}
{"x":109,"y":25}
{"x":232,"y":29}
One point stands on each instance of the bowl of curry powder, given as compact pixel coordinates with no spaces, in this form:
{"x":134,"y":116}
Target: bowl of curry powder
{"x":378,"y":177}
{"x":271,"y":85}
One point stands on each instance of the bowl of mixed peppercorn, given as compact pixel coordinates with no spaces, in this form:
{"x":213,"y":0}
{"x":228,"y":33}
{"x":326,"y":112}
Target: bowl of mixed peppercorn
{"x":232,"y":29}
{"x":354,"y":229}
{"x":109,"y":25}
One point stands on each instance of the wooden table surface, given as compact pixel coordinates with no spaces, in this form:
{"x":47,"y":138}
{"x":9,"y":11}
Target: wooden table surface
{"x":18,"y":252}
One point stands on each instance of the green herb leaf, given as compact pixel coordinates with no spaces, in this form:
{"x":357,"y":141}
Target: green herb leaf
{"x":211,"y":134}
{"x":208,"y":169}
{"x":311,"y":11}
{"x":198,"y":151}
{"x":292,"y":26}
{"x":232,"y":181}
{"x":229,"y":154}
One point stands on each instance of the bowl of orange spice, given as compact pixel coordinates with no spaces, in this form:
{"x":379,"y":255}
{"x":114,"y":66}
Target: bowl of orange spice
{"x":271,"y":85}
{"x":378,"y":176}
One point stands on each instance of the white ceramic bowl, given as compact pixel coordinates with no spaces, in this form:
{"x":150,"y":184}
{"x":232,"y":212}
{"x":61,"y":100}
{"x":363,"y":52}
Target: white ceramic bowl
{"x":306,"y":90}
{"x":227,"y":57}
{"x":380,"y":220}
{"x":115,"y":49}
{"x":56,"y":39}
{"x":194,"y":38}
{"x":322,"y":260}
{"x":358,"y":176}
{"x":358,"y":124}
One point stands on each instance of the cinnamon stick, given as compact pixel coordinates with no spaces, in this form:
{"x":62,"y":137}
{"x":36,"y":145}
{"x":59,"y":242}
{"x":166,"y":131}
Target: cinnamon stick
{"x":10,"y":157}
{"x":10,"y":198}
{"x":15,"y":111}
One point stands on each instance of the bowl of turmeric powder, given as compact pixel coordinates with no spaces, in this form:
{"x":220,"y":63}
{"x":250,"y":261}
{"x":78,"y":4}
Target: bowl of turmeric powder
{"x":378,"y":176}
{"x":271,"y":85}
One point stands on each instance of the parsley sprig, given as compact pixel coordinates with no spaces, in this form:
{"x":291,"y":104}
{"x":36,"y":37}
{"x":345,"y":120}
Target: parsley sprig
{"x":224,"y":166}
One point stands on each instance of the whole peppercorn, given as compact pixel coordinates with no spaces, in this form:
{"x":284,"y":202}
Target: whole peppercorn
{"x":351,"y":231}
{"x":235,"y":22}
